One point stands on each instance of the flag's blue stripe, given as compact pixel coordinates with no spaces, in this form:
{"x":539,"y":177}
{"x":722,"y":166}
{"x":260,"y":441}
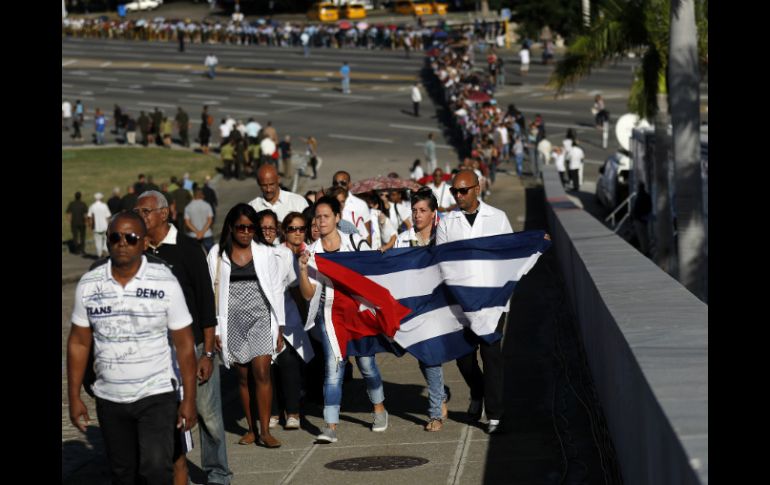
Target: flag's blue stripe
{"x":373,"y":345}
{"x":505,"y":246}
{"x":448,"y":347}
{"x":471,"y":299}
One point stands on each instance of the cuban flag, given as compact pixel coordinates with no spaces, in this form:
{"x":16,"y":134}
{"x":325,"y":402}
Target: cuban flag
{"x":435,"y":303}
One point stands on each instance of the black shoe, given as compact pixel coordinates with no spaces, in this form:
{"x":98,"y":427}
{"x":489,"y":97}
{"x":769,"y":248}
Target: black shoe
{"x":474,"y":410}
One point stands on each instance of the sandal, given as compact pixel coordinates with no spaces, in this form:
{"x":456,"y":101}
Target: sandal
{"x":434,"y":425}
{"x":247,"y":439}
{"x":269,"y":442}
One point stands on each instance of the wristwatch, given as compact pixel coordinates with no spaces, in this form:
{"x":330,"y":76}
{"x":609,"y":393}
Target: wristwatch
{"x":210,"y":355}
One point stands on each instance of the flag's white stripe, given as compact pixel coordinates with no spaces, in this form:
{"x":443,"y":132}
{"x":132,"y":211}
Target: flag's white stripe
{"x":480,"y":273}
{"x":437,"y":322}
{"x":484,"y":321}
{"x":486,"y":273}
{"x":410,"y":283}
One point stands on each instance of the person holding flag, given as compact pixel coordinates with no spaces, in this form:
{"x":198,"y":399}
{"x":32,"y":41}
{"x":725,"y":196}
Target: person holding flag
{"x":422,"y":234}
{"x":322,"y":320}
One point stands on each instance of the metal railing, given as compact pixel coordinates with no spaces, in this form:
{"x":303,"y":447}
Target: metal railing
{"x":610,"y":219}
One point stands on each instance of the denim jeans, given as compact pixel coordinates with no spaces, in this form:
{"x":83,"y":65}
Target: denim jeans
{"x":208,"y":400}
{"x":345,"y":85}
{"x":519,"y":163}
{"x":434,"y":376}
{"x":334,"y":373}
{"x":100,"y":138}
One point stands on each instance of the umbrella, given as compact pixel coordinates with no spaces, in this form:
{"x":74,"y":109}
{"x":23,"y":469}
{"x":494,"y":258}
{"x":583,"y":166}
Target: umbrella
{"x":435,"y":52}
{"x":382,"y":183}
{"x":362,"y":25}
{"x":345,"y":25}
{"x":479,"y":97}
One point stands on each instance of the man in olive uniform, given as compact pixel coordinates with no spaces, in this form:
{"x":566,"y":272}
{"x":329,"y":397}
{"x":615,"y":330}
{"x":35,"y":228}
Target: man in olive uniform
{"x":227,"y":153}
{"x":144,"y":126}
{"x":183,"y":124}
{"x":157,"y":121}
{"x":76,"y":213}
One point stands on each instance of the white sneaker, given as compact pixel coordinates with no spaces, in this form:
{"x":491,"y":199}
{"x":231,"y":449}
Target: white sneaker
{"x":380,"y":422}
{"x":274,"y":422}
{"x":292,"y":423}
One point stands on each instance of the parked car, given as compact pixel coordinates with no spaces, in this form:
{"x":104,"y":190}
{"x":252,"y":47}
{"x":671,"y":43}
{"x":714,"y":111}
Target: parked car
{"x":323,"y":11}
{"x":140,"y":5}
{"x":612,"y":184}
{"x":408,"y":7}
{"x":439,"y":8}
{"x":353,"y":11}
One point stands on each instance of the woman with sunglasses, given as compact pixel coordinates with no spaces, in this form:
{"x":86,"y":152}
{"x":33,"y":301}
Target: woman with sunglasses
{"x":423,"y":234}
{"x":250,"y":311}
{"x":327,"y":215}
{"x":286,"y":374}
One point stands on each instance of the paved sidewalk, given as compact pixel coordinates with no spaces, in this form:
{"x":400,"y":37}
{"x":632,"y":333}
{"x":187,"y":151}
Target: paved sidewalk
{"x":530,"y":452}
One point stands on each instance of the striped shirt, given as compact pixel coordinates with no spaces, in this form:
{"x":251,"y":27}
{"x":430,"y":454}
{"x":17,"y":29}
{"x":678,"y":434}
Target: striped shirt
{"x":132,"y":356}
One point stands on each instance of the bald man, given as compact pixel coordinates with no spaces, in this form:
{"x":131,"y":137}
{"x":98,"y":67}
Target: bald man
{"x":273,"y":197}
{"x":473,"y":218}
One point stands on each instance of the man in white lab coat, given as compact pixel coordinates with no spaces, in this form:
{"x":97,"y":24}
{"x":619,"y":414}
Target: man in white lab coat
{"x":473,"y":218}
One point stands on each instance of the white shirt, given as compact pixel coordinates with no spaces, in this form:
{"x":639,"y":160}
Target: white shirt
{"x":443,"y":196}
{"x":287,"y":202}
{"x":501,"y":133}
{"x":267,"y":146}
{"x":576,"y":156}
{"x":130,"y":327}
{"x":252,"y":129}
{"x":524,"y":56}
{"x":100,"y":213}
{"x":304,"y":38}
{"x":224,"y":130}
{"x":66,"y":109}
{"x":489,"y":222}
{"x":398,"y":213}
{"x":558,"y":160}
{"x":359,"y":208}
{"x":417,"y":173}
{"x":211,"y":61}
{"x":416,"y":95}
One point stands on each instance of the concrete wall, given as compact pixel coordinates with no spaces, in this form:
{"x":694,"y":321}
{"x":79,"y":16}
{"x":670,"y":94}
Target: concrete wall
{"x":646,"y":338}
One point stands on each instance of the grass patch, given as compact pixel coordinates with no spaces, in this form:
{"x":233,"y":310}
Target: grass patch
{"x":100,"y":169}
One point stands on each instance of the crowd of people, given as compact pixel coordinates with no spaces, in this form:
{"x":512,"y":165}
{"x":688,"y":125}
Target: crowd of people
{"x":269,"y":32}
{"x":253,"y":297}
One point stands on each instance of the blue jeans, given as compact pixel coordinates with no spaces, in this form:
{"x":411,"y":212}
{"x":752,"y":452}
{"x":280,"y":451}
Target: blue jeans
{"x":212,"y":71}
{"x":208,"y":400}
{"x":100,"y":138}
{"x":306,"y":48}
{"x":345,"y":84}
{"x":434,"y":376}
{"x":519,"y":162}
{"x":334,"y":373}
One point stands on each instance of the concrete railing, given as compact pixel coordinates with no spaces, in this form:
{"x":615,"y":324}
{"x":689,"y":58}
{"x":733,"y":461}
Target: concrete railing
{"x":646,"y":340}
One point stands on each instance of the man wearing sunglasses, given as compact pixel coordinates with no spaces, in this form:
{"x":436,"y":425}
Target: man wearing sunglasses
{"x":126,"y":308}
{"x":273,"y":197}
{"x":473,"y":218}
{"x":188,"y":263}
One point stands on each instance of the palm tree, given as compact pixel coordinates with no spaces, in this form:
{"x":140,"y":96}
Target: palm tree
{"x":645,"y":26}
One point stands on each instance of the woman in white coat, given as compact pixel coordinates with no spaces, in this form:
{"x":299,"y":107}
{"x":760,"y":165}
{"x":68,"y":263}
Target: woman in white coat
{"x":250,"y":311}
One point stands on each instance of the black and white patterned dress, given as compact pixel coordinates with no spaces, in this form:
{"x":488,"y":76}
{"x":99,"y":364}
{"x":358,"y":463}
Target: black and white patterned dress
{"x":248,"y":316}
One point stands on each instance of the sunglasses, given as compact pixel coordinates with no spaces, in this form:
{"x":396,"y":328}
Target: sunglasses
{"x":245,"y":228}
{"x":296,"y":228}
{"x":340,"y":182}
{"x":463,"y":190}
{"x":131,"y":238}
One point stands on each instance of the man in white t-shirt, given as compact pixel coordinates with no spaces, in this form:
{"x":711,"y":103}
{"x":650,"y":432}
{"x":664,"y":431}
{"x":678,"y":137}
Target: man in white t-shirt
{"x":524,"y":57}
{"x":98,"y":218}
{"x":416,"y":98}
{"x":224,"y":131}
{"x":211,"y":64}
{"x":126,"y":308}
{"x":66,"y":114}
{"x":446,"y":202}
{"x":576,"y":156}
{"x":357,"y":209}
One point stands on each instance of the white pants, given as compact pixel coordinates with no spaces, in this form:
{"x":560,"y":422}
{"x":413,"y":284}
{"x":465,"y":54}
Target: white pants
{"x":131,"y":137}
{"x":100,"y":242}
{"x":431,"y":166}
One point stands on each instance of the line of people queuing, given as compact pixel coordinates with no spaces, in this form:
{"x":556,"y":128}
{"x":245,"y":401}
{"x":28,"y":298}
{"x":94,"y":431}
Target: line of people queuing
{"x":249,"y":299}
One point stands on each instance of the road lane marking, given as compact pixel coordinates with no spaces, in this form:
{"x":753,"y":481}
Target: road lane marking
{"x":361,"y":138}
{"x":294,"y":103}
{"x":412,"y":127}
